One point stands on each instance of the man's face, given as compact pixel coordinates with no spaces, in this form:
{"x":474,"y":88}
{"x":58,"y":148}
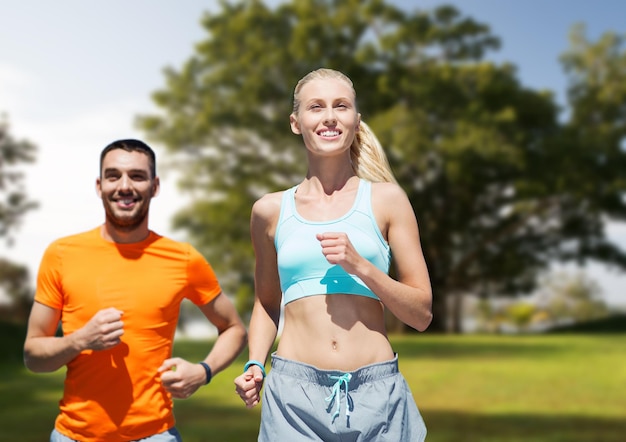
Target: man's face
{"x":126,"y":188}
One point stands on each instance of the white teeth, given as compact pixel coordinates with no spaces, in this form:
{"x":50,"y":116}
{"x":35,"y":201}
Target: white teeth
{"x":329,"y":133}
{"x":127,"y":201}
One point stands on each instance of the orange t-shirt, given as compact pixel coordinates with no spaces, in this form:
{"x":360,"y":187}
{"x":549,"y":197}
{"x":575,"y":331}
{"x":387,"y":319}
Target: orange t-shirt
{"x":116,"y":394}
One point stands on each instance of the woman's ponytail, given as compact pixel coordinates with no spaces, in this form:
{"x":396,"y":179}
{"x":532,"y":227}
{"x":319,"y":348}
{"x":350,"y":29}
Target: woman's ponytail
{"x":368,"y":157}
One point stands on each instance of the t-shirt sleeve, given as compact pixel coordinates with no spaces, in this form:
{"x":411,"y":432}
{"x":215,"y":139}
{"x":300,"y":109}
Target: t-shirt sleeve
{"x":49,"y":291}
{"x":203,"y":283}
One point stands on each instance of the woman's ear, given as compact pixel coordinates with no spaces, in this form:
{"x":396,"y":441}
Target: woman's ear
{"x":295,"y":127}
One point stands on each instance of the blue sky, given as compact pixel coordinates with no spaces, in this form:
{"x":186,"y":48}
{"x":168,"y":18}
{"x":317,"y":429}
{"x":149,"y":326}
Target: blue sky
{"x":75,"y":73}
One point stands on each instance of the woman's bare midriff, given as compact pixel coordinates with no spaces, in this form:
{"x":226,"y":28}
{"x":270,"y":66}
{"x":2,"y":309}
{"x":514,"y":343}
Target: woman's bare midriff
{"x":335,"y":332}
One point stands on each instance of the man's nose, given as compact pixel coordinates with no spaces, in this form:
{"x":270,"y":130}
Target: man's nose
{"x":124,"y":182}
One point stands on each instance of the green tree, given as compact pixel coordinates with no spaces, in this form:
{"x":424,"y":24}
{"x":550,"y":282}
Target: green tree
{"x":14,"y":203}
{"x":567,"y":297}
{"x":593,"y":152}
{"x":479,"y":155}
{"x":15,"y":285}
{"x":521,"y":314}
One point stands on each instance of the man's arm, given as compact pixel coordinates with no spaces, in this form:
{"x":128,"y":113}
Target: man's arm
{"x":45,"y":352}
{"x":232,"y":334}
{"x":182,"y":378}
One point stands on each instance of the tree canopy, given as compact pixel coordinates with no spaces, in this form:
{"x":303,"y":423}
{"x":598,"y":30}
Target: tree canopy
{"x":14,"y":202}
{"x":501,"y":186}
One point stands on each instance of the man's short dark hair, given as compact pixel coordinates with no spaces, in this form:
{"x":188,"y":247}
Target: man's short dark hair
{"x":131,"y":145}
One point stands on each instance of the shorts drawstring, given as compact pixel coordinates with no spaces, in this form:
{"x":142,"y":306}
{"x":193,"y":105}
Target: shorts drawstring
{"x":335,"y":395}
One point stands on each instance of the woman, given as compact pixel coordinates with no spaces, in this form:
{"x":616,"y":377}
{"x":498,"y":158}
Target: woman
{"x":325,"y":246}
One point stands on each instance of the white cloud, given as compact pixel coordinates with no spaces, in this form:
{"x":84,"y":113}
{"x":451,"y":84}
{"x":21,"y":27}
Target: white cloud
{"x":15,"y":83}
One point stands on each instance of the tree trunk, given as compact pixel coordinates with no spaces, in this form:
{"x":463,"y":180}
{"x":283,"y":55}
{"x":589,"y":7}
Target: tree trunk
{"x":456,"y":314}
{"x":439,"y":323}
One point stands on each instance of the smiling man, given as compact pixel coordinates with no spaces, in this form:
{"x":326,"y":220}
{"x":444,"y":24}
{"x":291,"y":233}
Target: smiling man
{"x":116,"y":290}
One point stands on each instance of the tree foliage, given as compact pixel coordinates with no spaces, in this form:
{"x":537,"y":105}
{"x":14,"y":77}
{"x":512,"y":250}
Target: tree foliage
{"x":14,"y":283}
{"x":14,"y":202}
{"x":493,"y":175}
{"x":574,"y":298}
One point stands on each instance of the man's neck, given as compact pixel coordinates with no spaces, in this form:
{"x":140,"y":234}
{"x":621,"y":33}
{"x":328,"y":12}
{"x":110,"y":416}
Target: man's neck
{"x":120,"y":236}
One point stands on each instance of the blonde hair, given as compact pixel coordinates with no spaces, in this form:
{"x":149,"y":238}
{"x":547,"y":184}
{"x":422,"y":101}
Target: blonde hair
{"x":369,"y":160}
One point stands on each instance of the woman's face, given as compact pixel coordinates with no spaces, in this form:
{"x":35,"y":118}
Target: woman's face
{"x":327,"y":118}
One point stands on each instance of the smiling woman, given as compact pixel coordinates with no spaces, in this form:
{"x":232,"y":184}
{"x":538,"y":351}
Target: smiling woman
{"x":323,"y":250}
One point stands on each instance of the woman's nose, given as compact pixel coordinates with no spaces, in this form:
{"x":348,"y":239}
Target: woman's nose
{"x":329,"y":117}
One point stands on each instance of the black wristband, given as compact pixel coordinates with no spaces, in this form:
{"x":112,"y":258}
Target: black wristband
{"x":206,"y":367}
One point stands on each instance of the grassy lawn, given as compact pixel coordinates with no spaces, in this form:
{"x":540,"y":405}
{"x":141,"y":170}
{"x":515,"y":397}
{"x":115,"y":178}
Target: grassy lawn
{"x":548,"y":388}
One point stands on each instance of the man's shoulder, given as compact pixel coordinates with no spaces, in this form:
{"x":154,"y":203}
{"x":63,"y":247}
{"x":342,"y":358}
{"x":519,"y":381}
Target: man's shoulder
{"x":167,"y":243}
{"x":75,"y":238}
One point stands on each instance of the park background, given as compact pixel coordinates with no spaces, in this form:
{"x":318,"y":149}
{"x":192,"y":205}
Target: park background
{"x":76,"y":75}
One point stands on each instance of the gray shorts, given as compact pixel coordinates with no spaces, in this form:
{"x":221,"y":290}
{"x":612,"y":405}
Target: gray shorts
{"x":373,"y":403}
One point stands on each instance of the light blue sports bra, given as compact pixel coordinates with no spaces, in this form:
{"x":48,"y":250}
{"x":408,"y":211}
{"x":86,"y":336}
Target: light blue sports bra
{"x":303,"y":269}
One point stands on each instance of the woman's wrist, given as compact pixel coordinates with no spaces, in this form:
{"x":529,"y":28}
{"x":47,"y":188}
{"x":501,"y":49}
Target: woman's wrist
{"x":252,"y":362}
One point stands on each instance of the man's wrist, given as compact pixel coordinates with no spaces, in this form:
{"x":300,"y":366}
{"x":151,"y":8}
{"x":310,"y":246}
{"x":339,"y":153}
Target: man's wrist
{"x":207,"y":369}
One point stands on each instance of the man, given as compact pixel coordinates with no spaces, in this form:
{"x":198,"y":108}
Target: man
{"x":117,"y":291}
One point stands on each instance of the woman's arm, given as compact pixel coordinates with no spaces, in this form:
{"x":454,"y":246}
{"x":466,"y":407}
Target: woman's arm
{"x":409,"y":297}
{"x":266,"y":311}
{"x":267,"y":299}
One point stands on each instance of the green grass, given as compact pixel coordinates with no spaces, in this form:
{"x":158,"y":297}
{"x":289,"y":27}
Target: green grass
{"x":564,"y":388}
{"x":549,"y":388}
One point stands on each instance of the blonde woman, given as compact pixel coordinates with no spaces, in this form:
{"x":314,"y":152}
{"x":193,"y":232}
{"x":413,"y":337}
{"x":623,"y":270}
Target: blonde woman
{"x":323,"y":249}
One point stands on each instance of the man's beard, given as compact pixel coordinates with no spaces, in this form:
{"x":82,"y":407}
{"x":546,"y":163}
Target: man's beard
{"x":125,"y":224}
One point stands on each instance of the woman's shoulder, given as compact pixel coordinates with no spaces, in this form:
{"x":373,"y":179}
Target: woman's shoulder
{"x":268,"y":206}
{"x":390,"y":201}
{"x":388,"y":192}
